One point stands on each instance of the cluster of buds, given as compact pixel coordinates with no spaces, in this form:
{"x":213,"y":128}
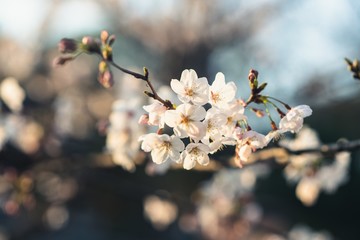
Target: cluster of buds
{"x":72,"y":48}
{"x":354,"y":67}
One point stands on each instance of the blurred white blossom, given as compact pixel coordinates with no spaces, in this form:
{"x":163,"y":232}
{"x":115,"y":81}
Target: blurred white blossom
{"x":310,"y":171}
{"x":159,"y":212}
{"x":12,"y":94}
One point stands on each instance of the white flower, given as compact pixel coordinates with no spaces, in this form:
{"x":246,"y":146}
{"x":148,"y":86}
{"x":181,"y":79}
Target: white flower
{"x":248,"y":142}
{"x":252,"y":138}
{"x":162,"y":147}
{"x":190,"y":88}
{"x":234,"y":112}
{"x":336,"y":174}
{"x":293,"y":121}
{"x":195,"y":152}
{"x":214,"y":121}
{"x":221,"y":93}
{"x":160,"y":212}
{"x":307,"y":191}
{"x":156,"y":112}
{"x":147,"y":141}
{"x":244,"y":153}
{"x":185,"y":120}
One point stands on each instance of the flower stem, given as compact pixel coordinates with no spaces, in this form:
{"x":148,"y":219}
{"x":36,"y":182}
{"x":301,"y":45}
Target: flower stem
{"x":285,"y":105}
{"x":145,"y":77}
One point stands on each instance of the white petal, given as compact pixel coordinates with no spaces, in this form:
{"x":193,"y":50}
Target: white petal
{"x":177,"y":144}
{"x":177,"y":87}
{"x":189,"y":163}
{"x":196,"y":130}
{"x":192,"y":75}
{"x":184,"y":76}
{"x":175,"y":156}
{"x":198,"y":113}
{"x":180,"y":131}
{"x":228,"y":92}
{"x":148,"y":141}
{"x":304,"y":110}
{"x":171,"y":118}
{"x":159,"y":155}
{"x":203,"y":159}
{"x":204,"y":148}
{"x":219,"y":82}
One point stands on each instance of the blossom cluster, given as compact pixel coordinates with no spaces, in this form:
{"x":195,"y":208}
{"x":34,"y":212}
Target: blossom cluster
{"x":208,"y":118}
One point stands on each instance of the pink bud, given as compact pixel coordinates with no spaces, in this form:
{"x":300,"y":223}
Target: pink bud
{"x":67,"y":45}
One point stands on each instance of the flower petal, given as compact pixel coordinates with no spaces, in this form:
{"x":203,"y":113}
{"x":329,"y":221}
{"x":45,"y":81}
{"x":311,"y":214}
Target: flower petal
{"x":159,"y":155}
{"x":189,"y":162}
{"x":171,"y":117}
{"x":177,"y":87}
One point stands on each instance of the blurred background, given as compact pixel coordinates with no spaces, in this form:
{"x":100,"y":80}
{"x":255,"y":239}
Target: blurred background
{"x":70,"y":164}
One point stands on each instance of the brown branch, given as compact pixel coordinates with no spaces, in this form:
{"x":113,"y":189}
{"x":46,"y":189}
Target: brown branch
{"x":283,"y":153}
{"x":328,"y":149}
{"x":145,"y":77}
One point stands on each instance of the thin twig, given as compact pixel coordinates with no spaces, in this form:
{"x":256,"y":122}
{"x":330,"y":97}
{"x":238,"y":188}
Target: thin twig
{"x":145,"y":77}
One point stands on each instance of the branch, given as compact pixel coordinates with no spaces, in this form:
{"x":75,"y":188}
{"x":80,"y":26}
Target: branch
{"x":145,"y":78}
{"x":324,"y":150}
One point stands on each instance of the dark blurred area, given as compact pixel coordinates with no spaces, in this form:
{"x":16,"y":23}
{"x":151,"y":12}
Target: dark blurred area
{"x":70,"y":162}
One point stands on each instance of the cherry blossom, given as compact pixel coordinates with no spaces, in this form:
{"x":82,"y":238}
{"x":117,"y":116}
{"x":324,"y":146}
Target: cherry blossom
{"x":185,"y":120}
{"x":190,"y":88}
{"x":214,"y":121}
{"x":195,"y":152}
{"x":162,"y":147}
{"x":156,"y":112}
{"x":248,"y":142}
{"x":234,"y":112}
{"x":221,"y":92}
{"x":293,"y":121}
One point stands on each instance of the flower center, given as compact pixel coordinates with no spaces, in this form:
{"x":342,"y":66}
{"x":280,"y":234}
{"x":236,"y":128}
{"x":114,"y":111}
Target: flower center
{"x":184,"y":119}
{"x":215,"y":96}
{"x":194,"y":151}
{"x":166,"y":145}
{"x":189,"y":91}
{"x":229,"y":120}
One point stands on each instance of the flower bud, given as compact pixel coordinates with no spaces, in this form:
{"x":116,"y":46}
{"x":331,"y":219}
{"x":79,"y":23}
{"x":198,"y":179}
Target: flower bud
{"x":104,"y":36}
{"x":67,"y":45}
{"x":103,"y":67}
{"x":90,"y":45}
{"x":105,"y":77}
{"x":107,"y":52}
{"x":253,"y":74}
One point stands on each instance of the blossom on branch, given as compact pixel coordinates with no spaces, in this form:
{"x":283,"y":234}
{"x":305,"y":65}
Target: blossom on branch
{"x":185,"y":120}
{"x":220,"y":92}
{"x":195,"y":152}
{"x":190,"y":88}
{"x":162,"y":147}
{"x":293,"y":121}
